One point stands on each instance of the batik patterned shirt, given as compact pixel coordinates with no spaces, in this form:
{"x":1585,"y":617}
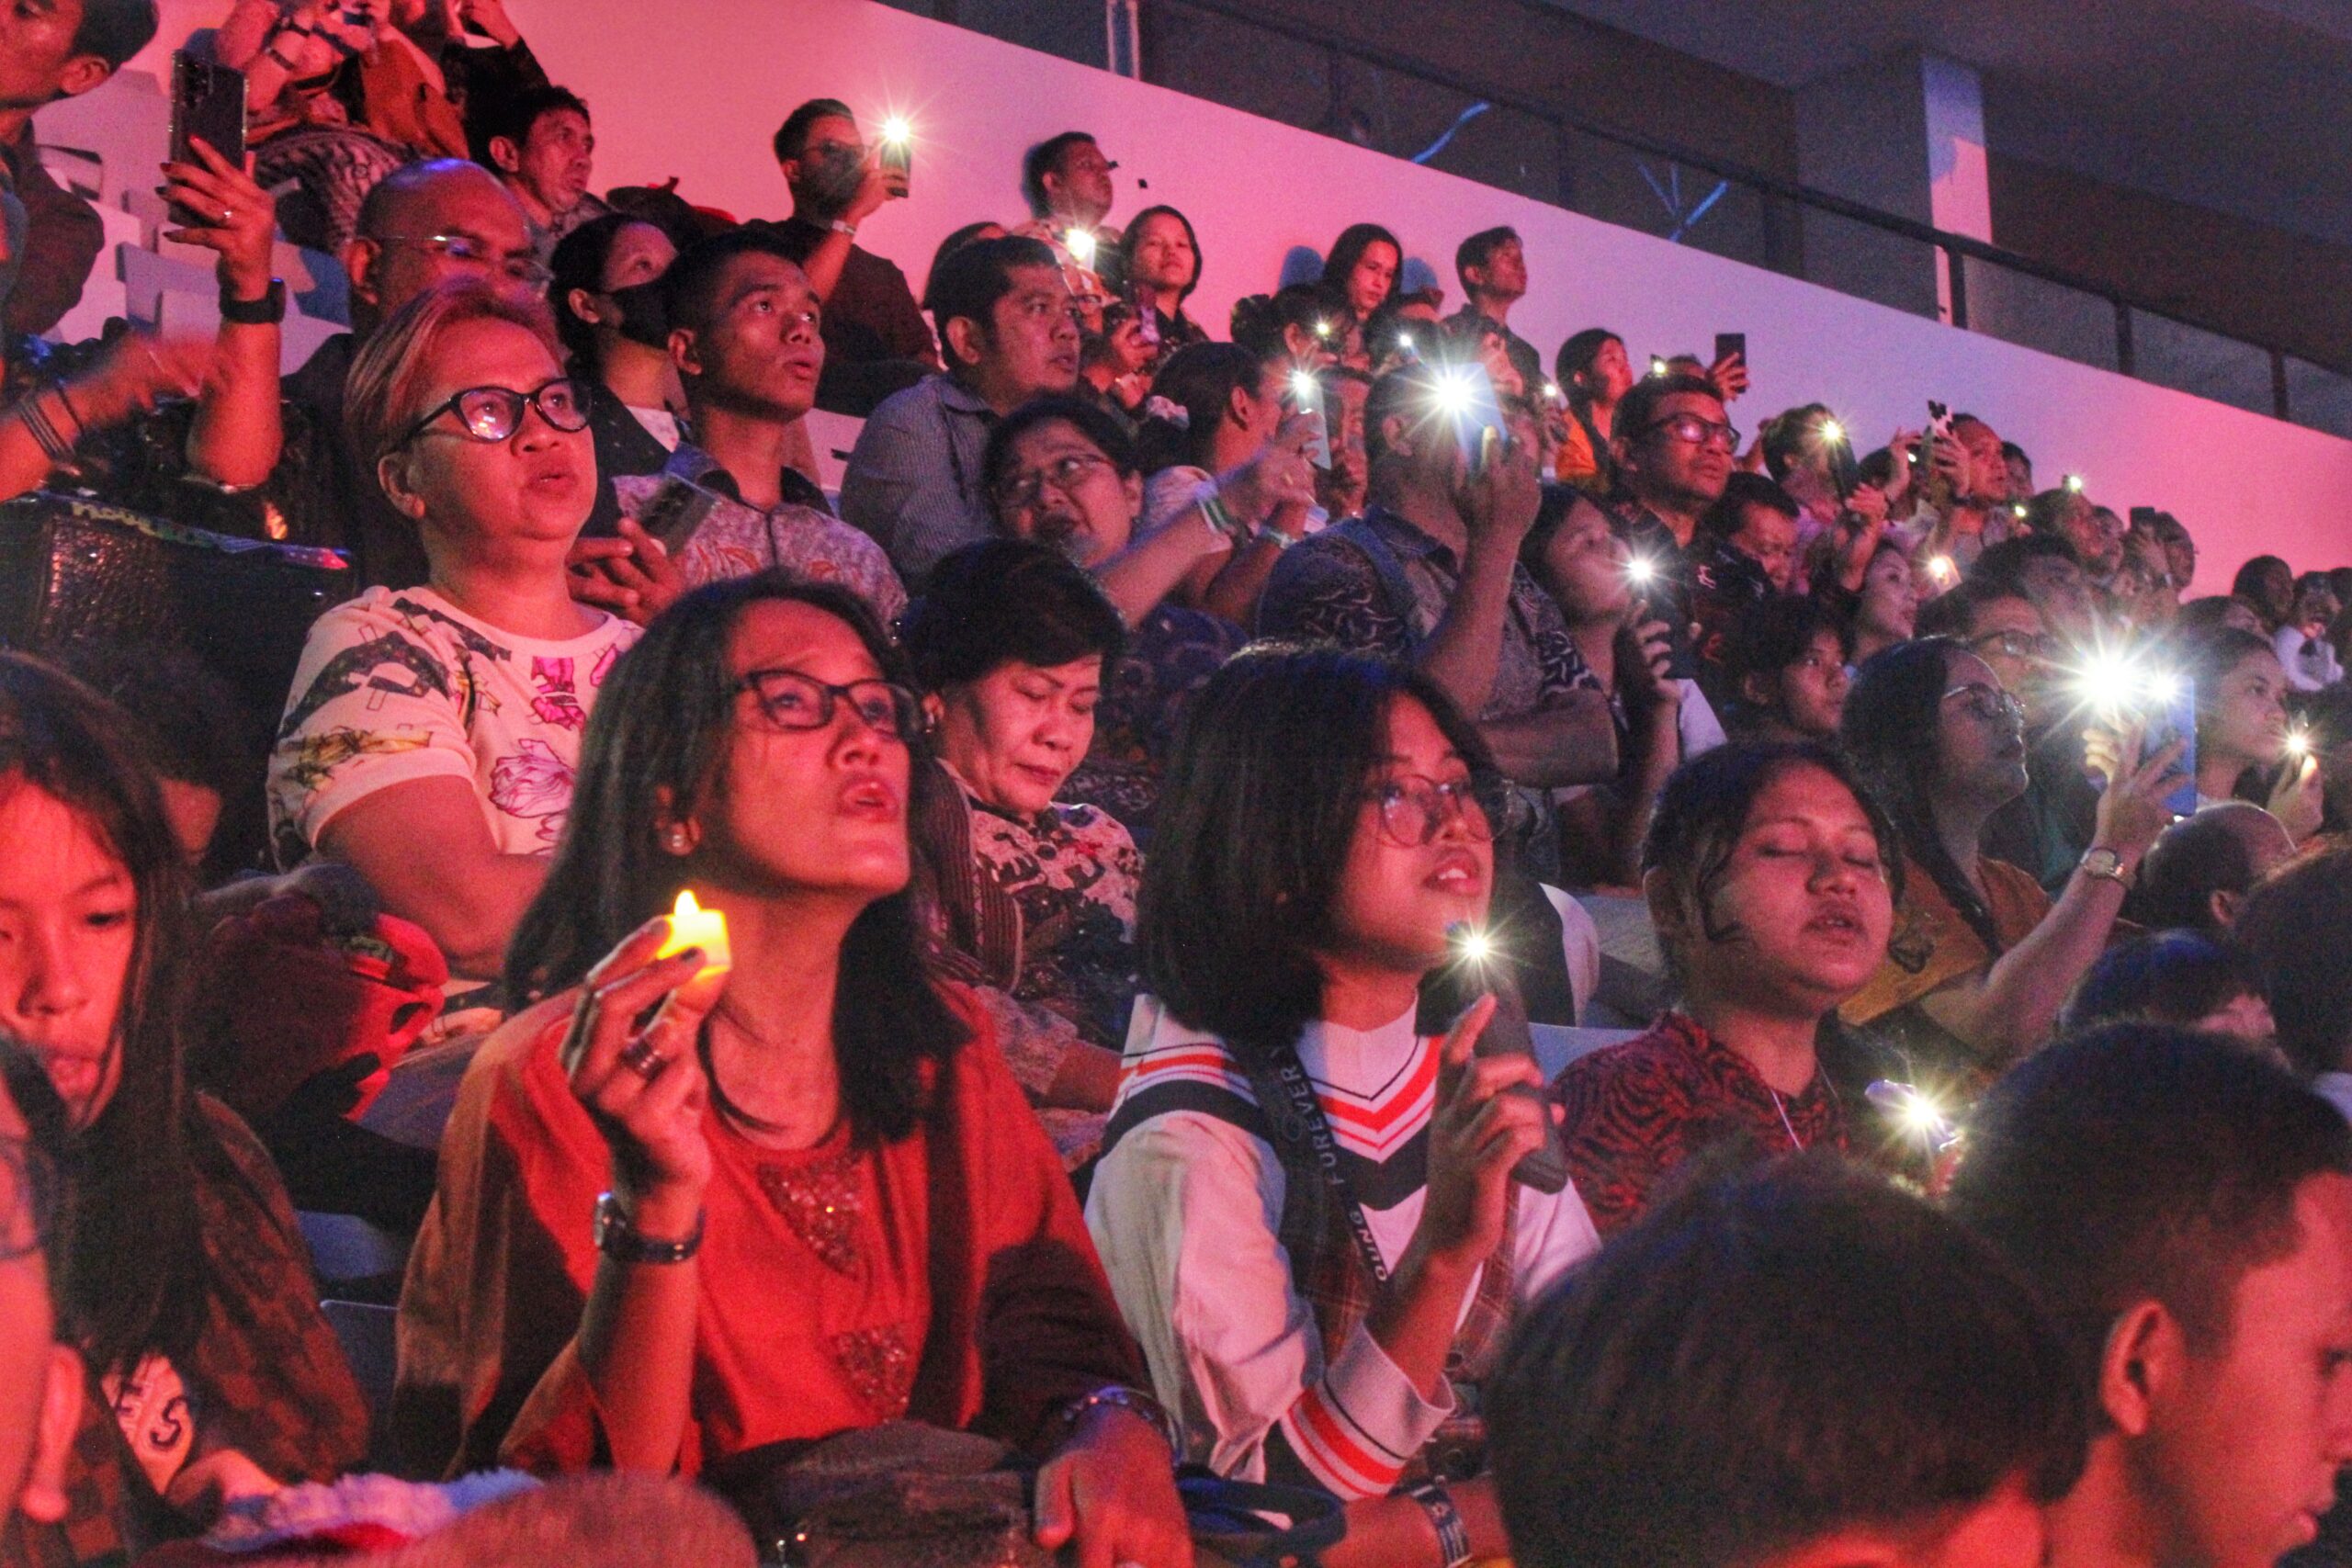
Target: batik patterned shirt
{"x":400,"y":684}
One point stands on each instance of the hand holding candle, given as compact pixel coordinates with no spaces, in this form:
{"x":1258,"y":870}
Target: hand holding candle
{"x":691,"y":925}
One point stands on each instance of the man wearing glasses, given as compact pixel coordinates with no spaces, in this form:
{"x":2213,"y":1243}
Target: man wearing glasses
{"x":1674,"y":452}
{"x":423,"y":224}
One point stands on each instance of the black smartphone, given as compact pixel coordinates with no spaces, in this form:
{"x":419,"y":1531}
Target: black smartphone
{"x":1473,"y":971}
{"x":676,"y":509}
{"x":207,"y":105}
{"x":1729,"y":343}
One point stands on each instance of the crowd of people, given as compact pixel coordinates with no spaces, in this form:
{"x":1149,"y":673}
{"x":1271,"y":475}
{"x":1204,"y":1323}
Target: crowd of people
{"x":1041,"y":943}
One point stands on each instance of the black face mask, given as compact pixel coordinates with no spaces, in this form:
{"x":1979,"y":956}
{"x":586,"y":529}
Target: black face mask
{"x":829,"y":177}
{"x":645,"y":314}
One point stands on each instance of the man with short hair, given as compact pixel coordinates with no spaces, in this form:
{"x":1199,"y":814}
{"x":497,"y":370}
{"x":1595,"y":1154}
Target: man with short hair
{"x":1672,"y":450}
{"x":1750,"y":1379}
{"x":423,"y":223}
{"x":1967,"y":491}
{"x":542,"y":145}
{"x":1005,"y":320}
{"x":51,"y":49}
{"x":744,"y":333}
{"x":1066,"y":182}
{"x":2020,"y":468}
{"x":2197,"y":875}
{"x":875,"y":342}
{"x":1492,"y":265}
{"x":1745,"y":552}
{"x":2044,"y":569}
{"x":1431,"y":574}
{"x":2183,"y":1208}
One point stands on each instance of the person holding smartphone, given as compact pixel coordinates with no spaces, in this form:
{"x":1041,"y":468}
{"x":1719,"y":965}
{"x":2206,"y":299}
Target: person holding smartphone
{"x":1325,"y":1322}
{"x":875,"y":341}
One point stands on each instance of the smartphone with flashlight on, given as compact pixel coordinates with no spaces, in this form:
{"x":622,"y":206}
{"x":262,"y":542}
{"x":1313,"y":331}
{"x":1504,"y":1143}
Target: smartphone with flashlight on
{"x":1306,"y":397}
{"x":2171,"y":717}
{"x":1477,"y":410}
{"x":897,"y":156}
{"x":1476,"y":966}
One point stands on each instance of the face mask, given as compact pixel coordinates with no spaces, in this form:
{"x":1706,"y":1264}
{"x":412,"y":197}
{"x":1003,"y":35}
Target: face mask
{"x":829,"y":177}
{"x":645,"y":317}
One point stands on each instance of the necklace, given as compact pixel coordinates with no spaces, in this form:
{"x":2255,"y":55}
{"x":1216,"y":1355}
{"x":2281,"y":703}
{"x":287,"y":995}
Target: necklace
{"x":1786,"y":1125}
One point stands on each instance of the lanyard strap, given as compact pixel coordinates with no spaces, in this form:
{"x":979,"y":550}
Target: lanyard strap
{"x":1307,"y":1124}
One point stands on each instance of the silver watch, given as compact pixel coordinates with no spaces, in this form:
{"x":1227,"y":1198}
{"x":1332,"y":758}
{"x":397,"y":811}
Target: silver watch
{"x":2104,"y":864}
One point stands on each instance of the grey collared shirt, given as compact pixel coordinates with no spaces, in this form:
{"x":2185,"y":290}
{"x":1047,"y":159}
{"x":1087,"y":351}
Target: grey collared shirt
{"x":913,"y":482}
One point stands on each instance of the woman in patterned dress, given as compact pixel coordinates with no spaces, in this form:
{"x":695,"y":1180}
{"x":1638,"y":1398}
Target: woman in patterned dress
{"x":823,"y":1202}
{"x":1771,"y":879}
{"x":1036,"y":896}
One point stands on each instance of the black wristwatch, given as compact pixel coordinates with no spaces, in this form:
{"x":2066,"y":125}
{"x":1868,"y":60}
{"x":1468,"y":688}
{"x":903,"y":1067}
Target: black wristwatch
{"x":265,"y":312}
{"x":616,"y":1238}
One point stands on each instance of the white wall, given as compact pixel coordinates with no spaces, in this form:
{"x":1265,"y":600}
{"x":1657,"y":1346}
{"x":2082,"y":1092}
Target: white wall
{"x":696,"y":88}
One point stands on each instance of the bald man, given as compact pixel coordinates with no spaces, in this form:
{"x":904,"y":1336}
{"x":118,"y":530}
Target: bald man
{"x":423,"y":223}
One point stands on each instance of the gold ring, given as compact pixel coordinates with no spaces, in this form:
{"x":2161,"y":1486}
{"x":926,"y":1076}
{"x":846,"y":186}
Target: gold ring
{"x":640,"y":1057}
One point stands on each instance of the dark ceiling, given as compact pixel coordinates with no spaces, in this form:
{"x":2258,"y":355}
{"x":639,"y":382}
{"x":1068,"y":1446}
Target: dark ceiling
{"x":2239,"y":106}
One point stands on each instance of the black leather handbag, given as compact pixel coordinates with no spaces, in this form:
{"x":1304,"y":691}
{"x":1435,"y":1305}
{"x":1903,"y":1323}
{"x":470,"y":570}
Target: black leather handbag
{"x":74,"y":569}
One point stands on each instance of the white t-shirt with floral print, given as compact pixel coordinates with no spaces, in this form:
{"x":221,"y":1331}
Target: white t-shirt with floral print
{"x":400,"y":684}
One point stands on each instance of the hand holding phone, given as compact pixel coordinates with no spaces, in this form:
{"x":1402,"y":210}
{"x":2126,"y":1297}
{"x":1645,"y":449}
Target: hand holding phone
{"x":1448,"y":992}
{"x":207,"y":105}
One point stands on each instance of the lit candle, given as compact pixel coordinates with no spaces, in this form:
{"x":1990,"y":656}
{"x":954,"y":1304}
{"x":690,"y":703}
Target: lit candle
{"x":691,"y":925}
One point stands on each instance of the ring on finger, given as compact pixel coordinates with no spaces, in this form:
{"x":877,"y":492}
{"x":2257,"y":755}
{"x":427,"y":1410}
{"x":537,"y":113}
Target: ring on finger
{"x":641,"y":1057}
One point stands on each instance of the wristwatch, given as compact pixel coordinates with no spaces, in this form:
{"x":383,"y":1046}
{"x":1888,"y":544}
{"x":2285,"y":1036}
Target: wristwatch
{"x":616,"y":1238}
{"x":265,"y":312}
{"x":2104,"y":864}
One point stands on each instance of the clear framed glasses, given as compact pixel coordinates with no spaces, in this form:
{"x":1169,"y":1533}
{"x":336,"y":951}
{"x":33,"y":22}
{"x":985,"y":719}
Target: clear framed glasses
{"x":1988,"y":702}
{"x":1414,"y":808}
{"x":521,"y":266}
{"x":2017,"y":645}
{"x":494,"y":413}
{"x":790,"y":701}
{"x":1692,"y":431}
{"x":1019,"y":490}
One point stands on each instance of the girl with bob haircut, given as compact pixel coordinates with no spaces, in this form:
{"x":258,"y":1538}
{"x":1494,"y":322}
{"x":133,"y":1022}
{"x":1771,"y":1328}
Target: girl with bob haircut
{"x":431,"y":734}
{"x":1158,"y":266}
{"x":2242,"y":729}
{"x":1771,"y":877}
{"x":213,"y":1375}
{"x":1328,"y":822}
{"x":829,"y":1206}
{"x":1982,"y":958}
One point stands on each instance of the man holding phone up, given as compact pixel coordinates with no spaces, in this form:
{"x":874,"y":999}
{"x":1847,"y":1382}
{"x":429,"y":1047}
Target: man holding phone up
{"x":876,"y":340}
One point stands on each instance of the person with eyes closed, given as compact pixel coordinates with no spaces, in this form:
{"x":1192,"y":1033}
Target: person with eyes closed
{"x":746,"y":338}
{"x":212,"y":1377}
{"x":1010,"y":645}
{"x":431,"y":733}
{"x":805,"y":1195}
{"x":1983,"y":959}
{"x":1316,"y":1319}
{"x":1771,"y":878}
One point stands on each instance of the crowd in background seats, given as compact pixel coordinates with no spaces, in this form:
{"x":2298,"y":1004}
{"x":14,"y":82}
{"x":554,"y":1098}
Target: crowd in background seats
{"x":1158,"y":812}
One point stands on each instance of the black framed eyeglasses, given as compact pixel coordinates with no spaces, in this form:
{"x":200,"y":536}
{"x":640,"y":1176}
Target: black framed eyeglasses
{"x":1692,"y":431}
{"x":789,"y":701}
{"x":1415,"y":809}
{"x":495,"y":414}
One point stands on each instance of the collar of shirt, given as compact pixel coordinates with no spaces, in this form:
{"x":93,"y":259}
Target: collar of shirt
{"x":1409,"y":540}
{"x":1739,"y":1077}
{"x":953,"y":394}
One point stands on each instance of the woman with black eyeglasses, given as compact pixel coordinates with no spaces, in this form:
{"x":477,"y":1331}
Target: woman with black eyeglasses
{"x":1982,"y":958}
{"x":1307,"y":1207}
{"x":432,"y":732}
{"x":805,"y":1195}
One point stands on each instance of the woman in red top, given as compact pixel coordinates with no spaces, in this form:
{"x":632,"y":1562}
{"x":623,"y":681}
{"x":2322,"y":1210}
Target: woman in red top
{"x":1772,"y":881}
{"x":889,"y":1235}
